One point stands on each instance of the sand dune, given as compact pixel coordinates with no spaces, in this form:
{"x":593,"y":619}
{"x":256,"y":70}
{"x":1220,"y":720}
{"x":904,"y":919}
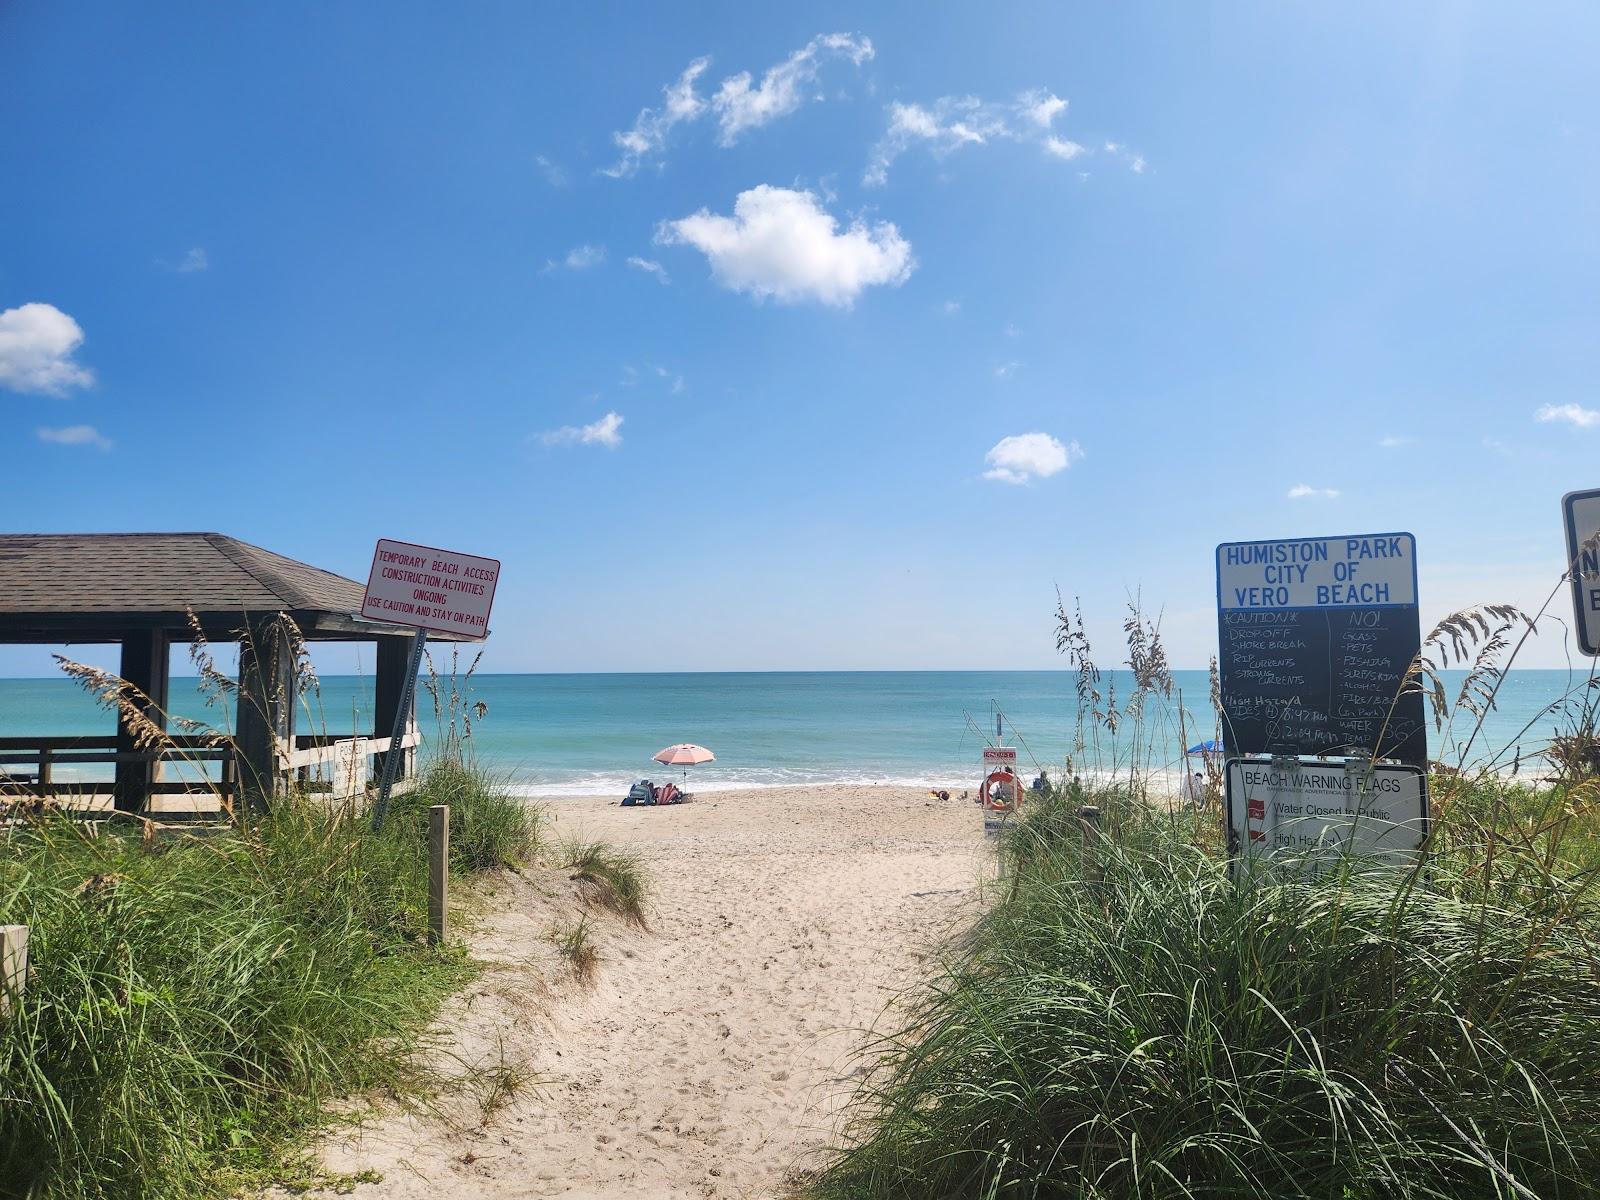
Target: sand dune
{"x":712,"y":1053}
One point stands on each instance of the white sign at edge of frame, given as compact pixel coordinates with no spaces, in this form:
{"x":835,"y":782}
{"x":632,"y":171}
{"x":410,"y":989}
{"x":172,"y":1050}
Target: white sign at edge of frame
{"x":1580,"y":513}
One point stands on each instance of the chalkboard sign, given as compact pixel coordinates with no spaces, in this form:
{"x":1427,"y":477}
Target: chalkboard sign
{"x":1315,"y":637}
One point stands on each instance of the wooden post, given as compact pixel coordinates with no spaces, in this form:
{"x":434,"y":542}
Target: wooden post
{"x":13,"y":966}
{"x":438,"y":874}
{"x":1089,"y":823}
{"x":265,"y":718}
{"x":145,"y":666}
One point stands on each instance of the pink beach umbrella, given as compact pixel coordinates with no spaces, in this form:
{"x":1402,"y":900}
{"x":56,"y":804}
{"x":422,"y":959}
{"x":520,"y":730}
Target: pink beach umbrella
{"x":684,"y":754}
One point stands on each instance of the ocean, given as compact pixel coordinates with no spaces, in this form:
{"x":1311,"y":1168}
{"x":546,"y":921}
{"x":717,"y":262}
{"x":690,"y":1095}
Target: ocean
{"x":554,"y":735}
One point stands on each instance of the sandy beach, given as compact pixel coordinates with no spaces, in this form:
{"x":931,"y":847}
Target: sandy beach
{"x":712,"y":1052}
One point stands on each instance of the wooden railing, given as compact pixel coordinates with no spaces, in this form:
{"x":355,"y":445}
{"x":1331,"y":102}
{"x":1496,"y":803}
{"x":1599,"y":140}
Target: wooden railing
{"x":28,"y":767}
{"x":338,"y":765}
{"x":347,"y":759}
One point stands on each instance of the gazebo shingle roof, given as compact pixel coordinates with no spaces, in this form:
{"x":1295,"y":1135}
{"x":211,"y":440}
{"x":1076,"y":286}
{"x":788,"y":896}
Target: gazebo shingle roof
{"x":102,"y":581}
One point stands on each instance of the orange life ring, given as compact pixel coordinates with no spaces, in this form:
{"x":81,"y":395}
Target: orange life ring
{"x":1001,"y":776}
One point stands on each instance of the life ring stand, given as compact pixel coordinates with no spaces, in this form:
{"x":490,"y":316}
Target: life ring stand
{"x":1000,"y":777}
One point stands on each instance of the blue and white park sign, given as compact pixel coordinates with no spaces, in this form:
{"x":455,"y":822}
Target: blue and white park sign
{"x":1315,"y":640}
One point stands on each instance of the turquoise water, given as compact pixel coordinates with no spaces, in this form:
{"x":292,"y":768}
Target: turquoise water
{"x":556,"y":734}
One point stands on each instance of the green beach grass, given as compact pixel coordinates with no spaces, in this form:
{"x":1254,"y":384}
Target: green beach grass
{"x":1128,"y":1020}
{"x":1135,"y":1024}
{"x":193,"y":1006}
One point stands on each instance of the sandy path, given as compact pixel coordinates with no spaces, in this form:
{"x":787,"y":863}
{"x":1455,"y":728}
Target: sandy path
{"x":712,"y":1053}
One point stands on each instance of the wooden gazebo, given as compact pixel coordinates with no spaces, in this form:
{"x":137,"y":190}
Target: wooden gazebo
{"x":138,"y":590}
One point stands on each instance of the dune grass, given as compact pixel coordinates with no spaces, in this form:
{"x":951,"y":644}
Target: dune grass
{"x":1127,"y":1020}
{"x":489,"y":827}
{"x":610,"y":878}
{"x":1139,"y":1025}
{"x":193,"y":1006}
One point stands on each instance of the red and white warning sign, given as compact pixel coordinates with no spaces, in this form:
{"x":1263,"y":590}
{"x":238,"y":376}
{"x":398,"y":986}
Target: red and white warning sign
{"x":428,"y":588}
{"x":1001,"y":789}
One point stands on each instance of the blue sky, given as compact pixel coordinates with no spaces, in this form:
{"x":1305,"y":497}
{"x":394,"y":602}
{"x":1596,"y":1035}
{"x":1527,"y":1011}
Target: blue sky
{"x":912,"y":342}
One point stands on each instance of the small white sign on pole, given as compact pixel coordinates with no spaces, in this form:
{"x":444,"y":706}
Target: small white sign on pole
{"x":1581,"y":511}
{"x":439,"y":590}
{"x":1320,"y":812}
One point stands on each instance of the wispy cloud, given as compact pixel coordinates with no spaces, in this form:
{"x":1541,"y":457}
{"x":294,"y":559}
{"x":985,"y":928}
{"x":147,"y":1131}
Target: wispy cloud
{"x":1304,"y":491}
{"x":783,"y":244}
{"x":740,"y":103}
{"x":1006,"y":369}
{"x":952,"y":307}
{"x":194,"y":259}
{"x":1063,"y":148}
{"x":1040,"y":107}
{"x":579,"y":258}
{"x":649,"y":266}
{"x":37,"y":342}
{"x":675,"y":381}
{"x":1394,"y":441}
{"x":952,"y":123}
{"x":607,"y":432}
{"x":554,"y":173}
{"x":1024,"y":457}
{"x":1570,"y":414}
{"x":1133,"y":161}
{"x":648,"y":136}
{"x":76,"y":435}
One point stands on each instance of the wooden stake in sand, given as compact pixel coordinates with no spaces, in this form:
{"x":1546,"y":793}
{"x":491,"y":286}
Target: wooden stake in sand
{"x":438,"y":873}
{"x":13,"y":966}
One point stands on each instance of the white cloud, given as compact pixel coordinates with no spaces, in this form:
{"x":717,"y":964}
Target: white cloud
{"x":76,"y":435}
{"x":579,"y":258}
{"x":604,"y":432}
{"x":739,"y":106}
{"x":952,"y":307}
{"x":1304,"y":491}
{"x":649,"y":133}
{"x":1394,"y":441}
{"x":554,"y":173}
{"x":37,"y":342}
{"x":1062,"y":148}
{"x":783,"y":244}
{"x":1040,"y":107}
{"x":649,"y":266}
{"x":1572,"y":414}
{"x":1006,"y":370}
{"x":1024,"y":457}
